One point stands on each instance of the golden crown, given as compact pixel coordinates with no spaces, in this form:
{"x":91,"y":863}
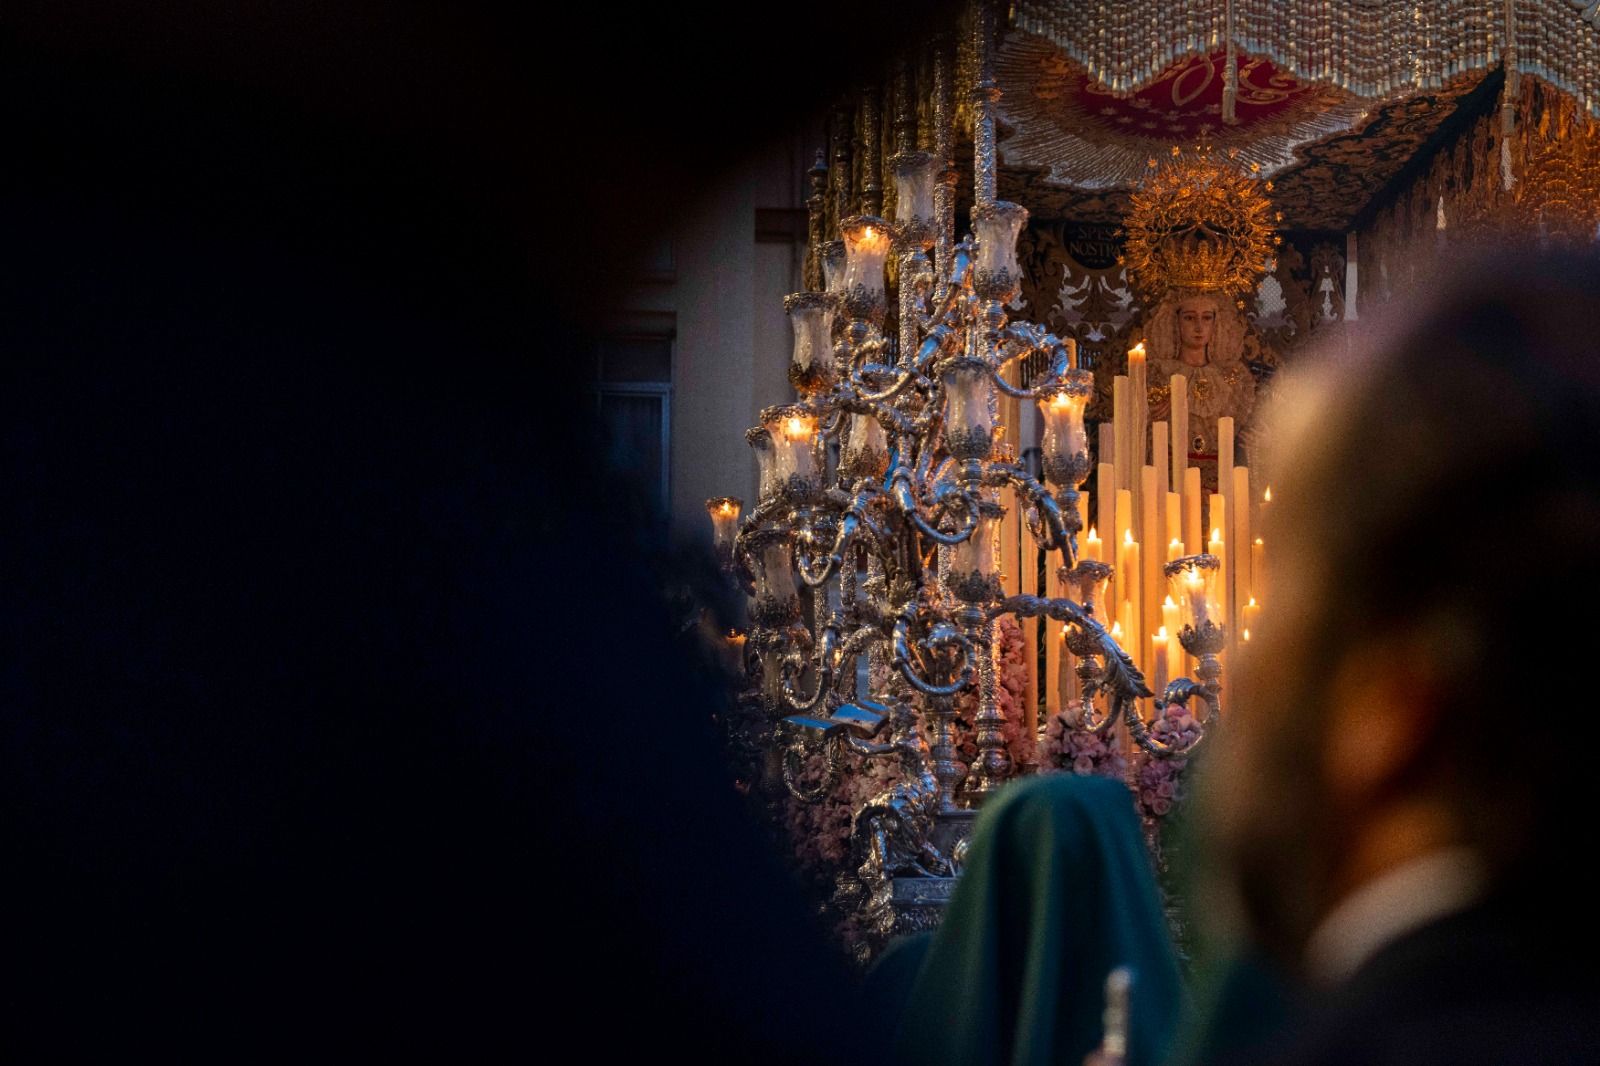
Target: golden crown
{"x":1198,"y":222}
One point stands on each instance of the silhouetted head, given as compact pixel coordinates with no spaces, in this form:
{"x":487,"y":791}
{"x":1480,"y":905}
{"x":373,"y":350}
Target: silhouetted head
{"x":1418,"y":680}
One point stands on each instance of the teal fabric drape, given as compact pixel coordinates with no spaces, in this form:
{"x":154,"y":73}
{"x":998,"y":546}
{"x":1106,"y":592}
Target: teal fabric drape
{"x":1058,"y":891}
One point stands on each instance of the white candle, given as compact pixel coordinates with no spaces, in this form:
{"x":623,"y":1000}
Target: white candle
{"x":1258,"y":570}
{"x":1194,"y":586}
{"x":1182,"y":434}
{"x":1127,"y":580}
{"x":1159,"y":669}
{"x":1158,"y":460}
{"x":1131,"y":593}
{"x":1121,"y":418}
{"x":1172,"y":622}
{"x":1150,"y":536}
{"x":1092,"y":545}
{"x":1139,"y":414}
{"x":1251,"y":617}
{"x":1193,"y":531}
{"x":1240,"y":540}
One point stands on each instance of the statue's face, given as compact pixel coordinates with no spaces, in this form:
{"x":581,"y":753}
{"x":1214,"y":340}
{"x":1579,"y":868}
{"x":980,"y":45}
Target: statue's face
{"x":1197,"y":321}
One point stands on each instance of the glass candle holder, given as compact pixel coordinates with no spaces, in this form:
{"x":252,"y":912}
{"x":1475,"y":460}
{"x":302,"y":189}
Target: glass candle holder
{"x":1088,"y":582}
{"x":724,"y":512}
{"x":996,"y":274}
{"x":1192,"y":582}
{"x":811,"y":366}
{"x":794,"y":432}
{"x":866,"y":448}
{"x":914,"y":174}
{"x":760,"y":441}
{"x":968,"y":420}
{"x":974,"y":568}
{"x":833,"y":266}
{"x":1064,"y":444}
{"x":867,"y":240}
{"x":777,"y":599}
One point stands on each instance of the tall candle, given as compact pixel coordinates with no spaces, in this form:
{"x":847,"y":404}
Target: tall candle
{"x":1218,"y":547}
{"x":1241,"y":540}
{"x":1092,"y":545}
{"x":1194,"y":587}
{"x":1225,"y":488}
{"x":1139,"y":413}
{"x":1193,"y":531}
{"x":1258,"y":570}
{"x":1159,"y":666}
{"x":1150,"y":536}
{"x":1105,"y":507}
{"x":1172,"y":622}
{"x":1158,"y":459}
{"x":1181,"y":432}
{"x":1126,"y":522}
{"x":1131,"y":594}
{"x":1251,"y":617}
{"x":1108,"y":443}
{"x":1121,"y":417}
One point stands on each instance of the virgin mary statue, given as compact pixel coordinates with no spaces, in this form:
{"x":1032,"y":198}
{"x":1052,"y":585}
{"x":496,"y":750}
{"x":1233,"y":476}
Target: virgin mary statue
{"x":1200,"y":335}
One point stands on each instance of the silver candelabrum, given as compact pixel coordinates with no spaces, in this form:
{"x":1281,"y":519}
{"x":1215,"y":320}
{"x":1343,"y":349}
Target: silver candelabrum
{"x":891,"y":550}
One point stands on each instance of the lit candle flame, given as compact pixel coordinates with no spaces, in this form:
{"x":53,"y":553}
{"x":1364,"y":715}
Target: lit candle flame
{"x":797,"y":428}
{"x":1161,"y":634}
{"x":1266,"y":497}
{"x":1252,"y":601}
{"x":1169,"y":603}
{"x":1136,"y":350}
{"x":1116,"y":630}
{"x":1247,"y":634}
{"x":1216,"y":533}
{"x":1127,"y":536}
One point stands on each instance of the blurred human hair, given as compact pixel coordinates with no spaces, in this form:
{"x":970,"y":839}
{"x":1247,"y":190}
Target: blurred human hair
{"x":1436,"y":484}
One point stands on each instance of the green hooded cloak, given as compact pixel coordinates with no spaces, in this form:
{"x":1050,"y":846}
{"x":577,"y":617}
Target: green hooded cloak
{"x":1057,"y":891}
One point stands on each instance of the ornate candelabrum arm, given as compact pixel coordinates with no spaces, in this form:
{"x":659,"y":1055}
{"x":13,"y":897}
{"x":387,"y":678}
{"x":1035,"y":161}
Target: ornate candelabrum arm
{"x":903,"y":377}
{"x":953,"y":290}
{"x":945,"y":636}
{"x":1006,"y":387}
{"x":793,"y":664}
{"x":900,"y":488}
{"x":1046,"y":523}
{"x":853,"y":519}
{"x":791,"y":771}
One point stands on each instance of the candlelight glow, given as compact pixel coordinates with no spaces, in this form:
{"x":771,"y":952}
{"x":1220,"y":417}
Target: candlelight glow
{"x":1247,"y":634}
{"x":1168,"y":603}
{"x":1161,"y":634}
{"x":1136,"y":350}
{"x":1266,"y":497}
{"x":1116,"y":630}
{"x":1127,"y":536}
{"x":797,"y":428}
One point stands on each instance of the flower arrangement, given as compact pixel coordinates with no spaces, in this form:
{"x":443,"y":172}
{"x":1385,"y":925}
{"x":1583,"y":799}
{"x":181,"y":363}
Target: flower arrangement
{"x":1160,"y":780}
